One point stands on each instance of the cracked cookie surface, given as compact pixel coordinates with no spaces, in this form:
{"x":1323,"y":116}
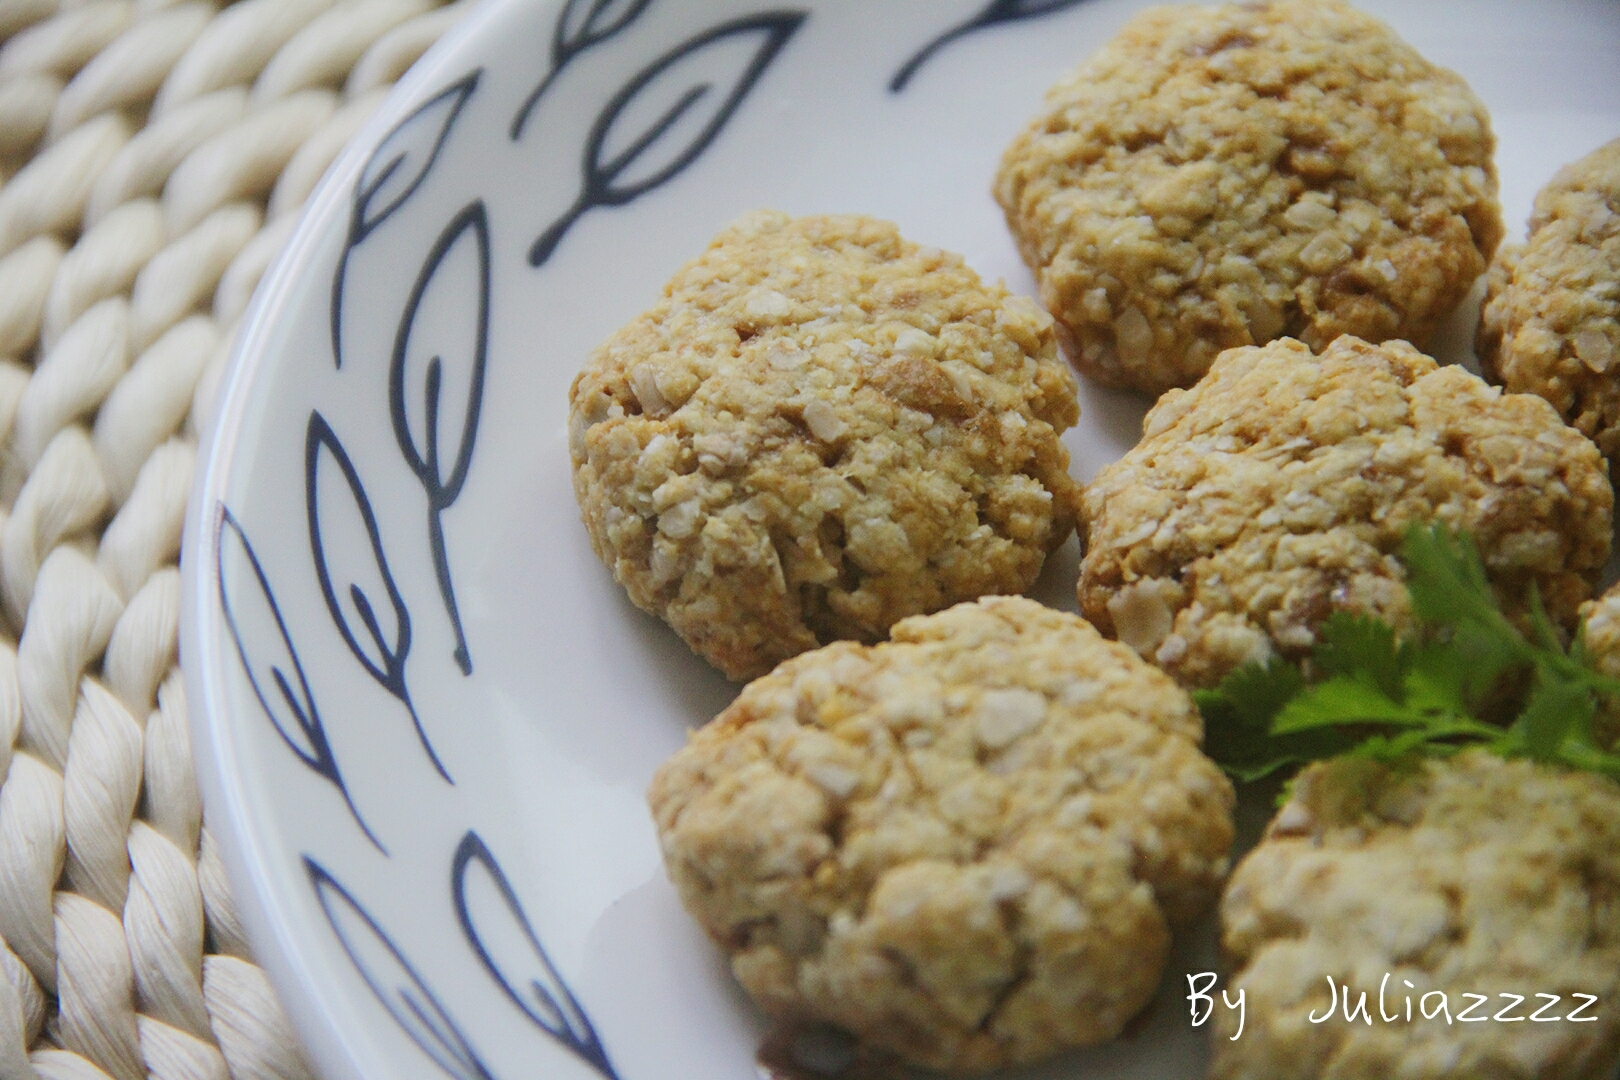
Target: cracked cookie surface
{"x":821,"y":429}
{"x":1278,"y":489}
{"x":1224,"y":176}
{"x":967,"y":845}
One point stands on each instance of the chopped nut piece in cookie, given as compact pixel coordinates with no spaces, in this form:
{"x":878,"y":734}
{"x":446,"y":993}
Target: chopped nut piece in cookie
{"x":966,"y":846}
{"x":821,"y":429}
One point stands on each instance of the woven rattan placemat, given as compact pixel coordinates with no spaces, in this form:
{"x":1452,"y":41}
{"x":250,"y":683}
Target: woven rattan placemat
{"x":154,"y":155}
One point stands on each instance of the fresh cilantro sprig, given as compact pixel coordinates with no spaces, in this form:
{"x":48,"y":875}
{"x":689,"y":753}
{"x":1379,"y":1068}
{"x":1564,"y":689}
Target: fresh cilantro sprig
{"x":1371,"y":695}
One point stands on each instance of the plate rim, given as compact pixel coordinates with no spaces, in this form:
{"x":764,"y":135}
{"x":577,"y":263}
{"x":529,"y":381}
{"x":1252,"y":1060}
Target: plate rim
{"x":332,"y":1053}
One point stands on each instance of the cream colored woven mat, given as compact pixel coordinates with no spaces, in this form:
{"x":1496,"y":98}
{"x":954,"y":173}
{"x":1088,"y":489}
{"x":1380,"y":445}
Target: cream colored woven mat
{"x":154,"y":155}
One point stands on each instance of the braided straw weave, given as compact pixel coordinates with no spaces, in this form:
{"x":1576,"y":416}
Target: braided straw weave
{"x":154,"y":154}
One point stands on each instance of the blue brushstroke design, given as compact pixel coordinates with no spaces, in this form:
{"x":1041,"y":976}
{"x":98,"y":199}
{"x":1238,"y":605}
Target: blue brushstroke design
{"x":394,"y":981}
{"x":424,"y":460}
{"x":580,"y":25}
{"x":546,"y":999}
{"x":320,"y":440}
{"x":313,"y":749}
{"x":604,"y":181}
{"x":998,"y":11}
{"x":392,"y":174}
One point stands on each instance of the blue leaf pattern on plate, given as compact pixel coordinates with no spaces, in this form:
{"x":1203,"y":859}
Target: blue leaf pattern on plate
{"x":997,"y":11}
{"x":392,"y":174}
{"x":394,"y":981}
{"x":649,"y":159}
{"x":387,"y":666}
{"x":468,"y":282}
{"x":580,"y":24}
{"x":291,"y":710}
{"x":527,"y":977}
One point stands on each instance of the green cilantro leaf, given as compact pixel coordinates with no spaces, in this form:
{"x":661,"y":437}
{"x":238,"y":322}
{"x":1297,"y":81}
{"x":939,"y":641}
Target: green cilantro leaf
{"x":1558,"y":707}
{"x":1362,"y":648}
{"x":1446,"y":579}
{"x":1460,"y":681}
{"x":1391,"y":749}
{"x":1460,"y":670}
{"x":1343,"y":699}
{"x":1238,"y":715}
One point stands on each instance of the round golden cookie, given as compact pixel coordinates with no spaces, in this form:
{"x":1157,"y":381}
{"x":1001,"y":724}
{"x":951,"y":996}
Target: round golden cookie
{"x":1600,"y":638}
{"x":821,"y":429}
{"x":1279,"y":488}
{"x":966,"y":846}
{"x":1223,"y":176}
{"x":1466,"y":876}
{"x":1551,"y":320}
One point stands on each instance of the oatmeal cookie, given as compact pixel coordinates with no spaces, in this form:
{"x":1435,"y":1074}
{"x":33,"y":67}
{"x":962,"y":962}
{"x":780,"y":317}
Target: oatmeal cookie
{"x":1471,"y":875}
{"x":821,"y":429}
{"x":1600,"y":632}
{"x":1224,"y":176}
{"x":1551,"y":320}
{"x":1279,"y":488}
{"x":966,"y":846}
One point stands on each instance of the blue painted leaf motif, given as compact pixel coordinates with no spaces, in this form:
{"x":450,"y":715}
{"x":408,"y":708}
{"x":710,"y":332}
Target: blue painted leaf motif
{"x":583,"y":23}
{"x":399,"y":164}
{"x":250,"y":612}
{"x":458,"y":265}
{"x":997,"y":11}
{"x":675,"y":83}
{"x":525,"y":974}
{"x":393,"y":172}
{"x":580,"y":24}
{"x":394,"y":982}
{"x":383,"y":653}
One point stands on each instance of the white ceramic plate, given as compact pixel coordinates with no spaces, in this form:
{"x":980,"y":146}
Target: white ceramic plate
{"x":426,"y":715}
